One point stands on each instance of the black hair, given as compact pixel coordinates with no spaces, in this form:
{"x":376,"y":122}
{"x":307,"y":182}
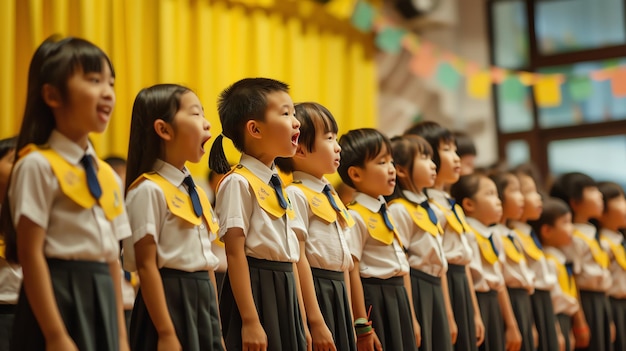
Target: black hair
{"x":466,"y":187}
{"x":54,"y":62}
{"x":502,"y":180}
{"x":404,"y":149}
{"x":464,"y":144}
{"x":359,"y":146}
{"x":145,"y":146}
{"x":569,"y":186}
{"x":243,"y":101}
{"x":610,"y":191}
{"x":115,"y":161}
{"x":435,"y":134}
{"x":6,"y":145}
{"x":553,"y":209}
{"x":312,"y":116}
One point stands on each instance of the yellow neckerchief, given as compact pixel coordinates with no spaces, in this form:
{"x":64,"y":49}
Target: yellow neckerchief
{"x":419,"y":216}
{"x":458,"y":224}
{"x":566,"y":281}
{"x":511,"y":250}
{"x":376,"y":224}
{"x":486,"y":249}
{"x":321,"y":207}
{"x":264,"y":193}
{"x":179,"y":201}
{"x":529,"y":246}
{"x":601,"y":257}
{"x":618,"y":251}
{"x":73,"y":182}
{"x":2,"y":249}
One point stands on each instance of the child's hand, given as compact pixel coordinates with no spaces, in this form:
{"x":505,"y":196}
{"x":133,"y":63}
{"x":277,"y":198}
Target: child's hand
{"x":612,"y":330}
{"x":561,"y":341}
{"x":61,"y":343}
{"x":169,"y":342}
{"x":513,"y":338}
{"x":581,"y":335}
{"x":253,"y":337}
{"x":454,"y":330}
{"x":417,"y":332}
{"x":536,"y":337}
{"x":480,"y":329}
{"x":124,"y":344}
{"x":369,"y":342}
{"x":322,"y":337}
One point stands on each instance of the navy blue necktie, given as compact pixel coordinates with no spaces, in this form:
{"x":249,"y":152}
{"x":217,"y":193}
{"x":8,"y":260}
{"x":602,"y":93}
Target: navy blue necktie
{"x":329,"y":195}
{"x":569,"y":267}
{"x":383,"y":211}
{"x":193,"y":194}
{"x":92,"y":178}
{"x":598,"y":236}
{"x":431,"y":214}
{"x":512,"y":238}
{"x":278,"y":188}
{"x":493,"y":245}
{"x":536,"y":239}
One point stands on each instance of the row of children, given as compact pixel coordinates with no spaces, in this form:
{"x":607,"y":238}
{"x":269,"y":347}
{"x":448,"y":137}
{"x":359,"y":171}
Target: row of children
{"x":304,"y":272}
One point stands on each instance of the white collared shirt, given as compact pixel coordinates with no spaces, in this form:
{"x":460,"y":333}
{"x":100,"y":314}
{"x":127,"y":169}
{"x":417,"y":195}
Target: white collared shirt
{"x":545,"y":279}
{"x":424,"y":249}
{"x":562,"y":302}
{"x":72,"y":232}
{"x":236,"y":206}
{"x":180,"y":245}
{"x":10,"y":280}
{"x":326,"y":245}
{"x":592,"y":276}
{"x":486,"y":276}
{"x":517,"y":275}
{"x":377,"y":260}
{"x":456,"y":247}
{"x":618,"y":274}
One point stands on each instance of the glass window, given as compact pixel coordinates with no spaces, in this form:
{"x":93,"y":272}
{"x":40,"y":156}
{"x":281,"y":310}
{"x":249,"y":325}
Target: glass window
{"x":583,"y":100}
{"x":602,"y":158}
{"x":514,"y":108}
{"x":573,"y":25}
{"x":510,"y":33}
{"x":517,"y":152}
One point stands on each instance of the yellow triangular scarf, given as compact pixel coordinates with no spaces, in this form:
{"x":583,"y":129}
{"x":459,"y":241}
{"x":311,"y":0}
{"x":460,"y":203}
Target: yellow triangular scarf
{"x":376,"y":225}
{"x":420,"y":216}
{"x":321,"y":207}
{"x":601,"y":257}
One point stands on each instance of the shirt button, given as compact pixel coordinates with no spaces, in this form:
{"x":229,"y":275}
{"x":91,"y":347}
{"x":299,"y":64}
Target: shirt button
{"x":201,"y":226}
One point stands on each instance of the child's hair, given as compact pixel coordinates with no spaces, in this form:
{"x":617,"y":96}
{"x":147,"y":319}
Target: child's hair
{"x":243,"y":101}
{"x":404,"y":150}
{"x":54,"y":62}
{"x":610,"y":191}
{"x":160,"y":101}
{"x":434,"y":134}
{"x":464,"y":144}
{"x":553,"y":209}
{"x":466,"y":187}
{"x":502,"y":180}
{"x":569,"y":186}
{"x":530,"y":169}
{"x":115,"y":161}
{"x":312,"y":116}
{"x":6,"y":145}
{"x":359,"y":146}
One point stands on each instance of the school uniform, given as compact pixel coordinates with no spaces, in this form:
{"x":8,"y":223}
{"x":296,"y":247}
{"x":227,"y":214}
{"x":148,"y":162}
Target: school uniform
{"x":593,"y":279}
{"x":159,"y":205}
{"x":327,"y":252}
{"x":613,"y":244}
{"x":486,"y":267}
{"x":519,"y":280}
{"x":458,"y":254}
{"x":383,"y":264}
{"x":50,"y":188}
{"x":545,"y":280}
{"x":217,"y":246}
{"x":128,"y":282}
{"x":565,"y":293}
{"x":423,"y":240}
{"x":246,"y":201}
{"x":10,"y":282}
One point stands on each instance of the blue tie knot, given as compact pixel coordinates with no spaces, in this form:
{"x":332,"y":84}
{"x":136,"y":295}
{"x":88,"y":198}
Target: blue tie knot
{"x":92,"y":178}
{"x":569,"y":267}
{"x":330,"y":197}
{"x":493,"y":245}
{"x":533,"y":235}
{"x":512,"y":238}
{"x":193,"y":194}
{"x":383,"y":212}
{"x":278,"y":188}
{"x":431,"y":214}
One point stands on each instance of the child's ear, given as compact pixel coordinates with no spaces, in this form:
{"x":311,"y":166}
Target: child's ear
{"x":468,"y":205}
{"x":252,"y":128}
{"x":300,"y":151}
{"x":545,"y":231}
{"x":355,"y":174}
{"x":51,"y":96}
{"x":401,"y":172}
{"x":163,"y":129}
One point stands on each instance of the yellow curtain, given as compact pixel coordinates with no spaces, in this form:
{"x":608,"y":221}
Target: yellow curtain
{"x":203,"y":44}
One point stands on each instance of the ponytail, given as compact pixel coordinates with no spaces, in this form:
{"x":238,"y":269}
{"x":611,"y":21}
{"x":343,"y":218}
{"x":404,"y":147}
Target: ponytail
{"x":217,"y":158}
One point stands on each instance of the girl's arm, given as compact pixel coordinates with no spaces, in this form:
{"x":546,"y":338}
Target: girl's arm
{"x":115,"y":269}
{"x":478,"y":320}
{"x":417,"y":330}
{"x":38,"y":285}
{"x":512,"y":335}
{"x":580,"y":328}
{"x":153,"y":293}
{"x":367,"y":342}
{"x":321,"y":335}
{"x":454,"y":330}
{"x":252,"y":334}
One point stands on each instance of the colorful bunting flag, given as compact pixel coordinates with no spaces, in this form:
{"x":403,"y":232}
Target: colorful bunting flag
{"x":548,"y":91}
{"x":512,"y":89}
{"x":447,"y":76}
{"x":363,"y":16}
{"x":424,"y":62}
{"x":478,"y":85}
{"x":390,"y":39}
{"x":580,"y":88}
{"x":618,"y":82}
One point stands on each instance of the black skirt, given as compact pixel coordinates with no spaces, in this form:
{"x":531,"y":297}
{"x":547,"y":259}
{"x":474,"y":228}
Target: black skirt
{"x":332,"y":297}
{"x":430,"y":311}
{"x":85,"y":297}
{"x":190,"y":298}
{"x":618,"y":309}
{"x":596,"y":306}
{"x":545,"y":321}
{"x":219,"y":281}
{"x":391,"y":312}
{"x":492,"y":318}
{"x":461,"y":300}
{"x":565,"y":323}
{"x":7,"y":314}
{"x":275,"y":296}
{"x":522,"y":308}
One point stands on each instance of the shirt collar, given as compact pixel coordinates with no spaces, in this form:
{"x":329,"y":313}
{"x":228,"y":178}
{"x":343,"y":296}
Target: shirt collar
{"x":258,"y":168}
{"x":587,"y":229}
{"x":413,"y":197}
{"x":614,"y":237}
{"x":522,"y":227}
{"x":480,"y":228}
{"x":560,"y":256}
{"x":170,"y":173}
{"x":371,"y":203}
{"x":68,"y":149}
{"x":311,"y":182}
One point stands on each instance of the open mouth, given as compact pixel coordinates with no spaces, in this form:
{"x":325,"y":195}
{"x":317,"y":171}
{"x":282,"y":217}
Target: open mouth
{"x":294,"y":138}
{"x":204,"y":143}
